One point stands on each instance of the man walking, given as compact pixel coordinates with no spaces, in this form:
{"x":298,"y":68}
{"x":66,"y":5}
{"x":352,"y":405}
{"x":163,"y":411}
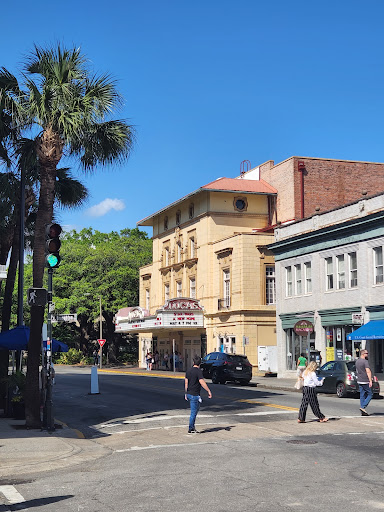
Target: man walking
{"x":194,"y":381}
{"x":364,"y":380}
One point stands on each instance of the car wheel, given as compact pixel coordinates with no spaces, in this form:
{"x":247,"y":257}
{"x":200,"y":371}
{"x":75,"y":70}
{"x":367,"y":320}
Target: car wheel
{"x":215,"y":377}
{"x":244,"y":382}
{"x":341,"y":390}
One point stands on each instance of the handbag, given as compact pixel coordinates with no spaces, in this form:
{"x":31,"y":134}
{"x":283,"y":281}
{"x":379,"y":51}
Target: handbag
{"x":299,"y":383}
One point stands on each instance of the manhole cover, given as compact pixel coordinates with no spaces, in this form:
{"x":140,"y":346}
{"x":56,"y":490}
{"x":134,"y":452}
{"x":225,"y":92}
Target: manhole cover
{"x":301,"y":441}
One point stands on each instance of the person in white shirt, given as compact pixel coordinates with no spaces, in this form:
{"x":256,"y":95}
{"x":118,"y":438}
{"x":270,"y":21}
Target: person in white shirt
{"x":309,"y":394}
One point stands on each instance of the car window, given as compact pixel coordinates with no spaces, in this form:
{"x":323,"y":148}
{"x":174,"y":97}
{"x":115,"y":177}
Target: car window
{"x":328,"y":367}
{"x":351,"y":365}
{"x":339,"y":366}
{"x":237,"y":359}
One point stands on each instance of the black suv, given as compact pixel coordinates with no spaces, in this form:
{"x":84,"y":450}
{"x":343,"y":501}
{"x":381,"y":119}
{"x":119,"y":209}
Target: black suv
{"x":222,"y":367}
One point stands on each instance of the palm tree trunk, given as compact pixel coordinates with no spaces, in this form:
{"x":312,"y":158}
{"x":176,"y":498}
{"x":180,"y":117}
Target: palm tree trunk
{"x":11,"y":277}
{"x":44,"y":217}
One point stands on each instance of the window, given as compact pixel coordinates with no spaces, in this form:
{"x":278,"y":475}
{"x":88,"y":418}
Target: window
{"x":378,"y":262}
{"x":178,"y":217}
{"x":240,"y":204}
{"x":298,"y":281}
{"x":192,"y":288}
{"x":147,"y":296}
{"x":191,"y":211}
{"x":352,"y":269}
{"x":166,"y":292}
{"x":166,"y":257}
{"x":227,"y":287}
{"x":270,"y":282}
{"x":178,"y":249}
{"x":179,"y":289}
{"x":288,"y":273}
{"x":308,"y":277}
{"x":340,"y":272}
{"x":165,"y":223}
{"x":329,"y":273}
{"x":192,"y":247}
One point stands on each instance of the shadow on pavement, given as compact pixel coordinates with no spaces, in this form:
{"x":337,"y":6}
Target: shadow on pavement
{"x":38,"y":502}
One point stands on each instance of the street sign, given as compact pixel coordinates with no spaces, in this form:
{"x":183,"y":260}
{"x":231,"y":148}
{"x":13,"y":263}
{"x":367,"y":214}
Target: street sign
{"x":245,"y":340}
{"x":37,"y":296}
{"x":67,"y":317}
{"x":101,"y":342}
{"x":51,"y":307}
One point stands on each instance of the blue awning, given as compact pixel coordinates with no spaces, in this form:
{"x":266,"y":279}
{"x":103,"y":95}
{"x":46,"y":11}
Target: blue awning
{"x":373,"y":330}
{"x":17,"y":339}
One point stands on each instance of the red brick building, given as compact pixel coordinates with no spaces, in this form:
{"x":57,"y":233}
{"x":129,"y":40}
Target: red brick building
{"x":307,"y":186}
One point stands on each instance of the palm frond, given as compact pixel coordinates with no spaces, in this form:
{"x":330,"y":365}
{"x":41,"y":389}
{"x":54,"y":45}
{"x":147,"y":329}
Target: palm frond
{"x":70,"y":192}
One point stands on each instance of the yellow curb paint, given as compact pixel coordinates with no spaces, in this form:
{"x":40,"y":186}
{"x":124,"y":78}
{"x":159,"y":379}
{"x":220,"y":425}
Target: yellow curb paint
{"x":79,"y":434}
{"x":143,"y":374}
{"x":265,"y":404}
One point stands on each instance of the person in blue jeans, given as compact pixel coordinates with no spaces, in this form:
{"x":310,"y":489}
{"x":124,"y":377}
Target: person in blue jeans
{"x":194,"y":381}
{"x":364,"y":380}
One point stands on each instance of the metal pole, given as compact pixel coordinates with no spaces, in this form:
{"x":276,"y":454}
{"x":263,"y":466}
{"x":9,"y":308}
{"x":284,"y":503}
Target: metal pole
{"x":173,"y":359}
{"x":20,"y":291}
{"x":101,"y":334}
{"x":48,"y":402}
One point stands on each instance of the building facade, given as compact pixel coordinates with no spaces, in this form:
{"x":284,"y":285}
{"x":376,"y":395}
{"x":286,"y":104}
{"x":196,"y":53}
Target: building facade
{"x":329,"y":273}
{"x":210,"y":250}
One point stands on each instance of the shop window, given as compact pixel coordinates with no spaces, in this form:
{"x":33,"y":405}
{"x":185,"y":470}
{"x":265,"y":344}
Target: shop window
{"x":378,"y":265}
{"x":340,"y":271}
{"x":298,"y":280}
{"x":352,"y":269}
{"x":329,"y":273}
{"x":270,"y":285}
{"x":308,"y":277}
{"x":288,"y":287}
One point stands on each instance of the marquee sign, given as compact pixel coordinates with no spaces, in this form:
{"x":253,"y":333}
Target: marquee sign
{"x":176,"y":314}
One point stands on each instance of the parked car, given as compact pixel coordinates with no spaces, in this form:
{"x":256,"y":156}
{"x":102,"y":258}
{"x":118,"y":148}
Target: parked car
{"x":340,"y":378}
{"x":222,"y":367}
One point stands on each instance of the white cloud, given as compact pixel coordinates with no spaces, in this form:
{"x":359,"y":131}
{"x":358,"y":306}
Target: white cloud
{"x":98,"y":210}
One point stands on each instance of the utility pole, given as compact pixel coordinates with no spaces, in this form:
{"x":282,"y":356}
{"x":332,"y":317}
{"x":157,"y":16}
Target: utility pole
{"x":48,"y":420}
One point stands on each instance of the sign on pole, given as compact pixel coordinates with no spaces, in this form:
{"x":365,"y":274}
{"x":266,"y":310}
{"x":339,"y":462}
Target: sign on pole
{"x":37,"y":296}
{"x":67,"y":317}
{"x":101,"y":342}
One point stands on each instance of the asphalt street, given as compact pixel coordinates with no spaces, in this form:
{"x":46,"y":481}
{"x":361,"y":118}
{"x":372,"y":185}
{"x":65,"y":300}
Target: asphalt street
{"x":251,"y":454}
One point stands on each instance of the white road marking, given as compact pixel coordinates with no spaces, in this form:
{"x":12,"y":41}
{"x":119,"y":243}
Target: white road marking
{"x":176,"y":445}
{"x":11,"y":495}
{"x":201,"y":416}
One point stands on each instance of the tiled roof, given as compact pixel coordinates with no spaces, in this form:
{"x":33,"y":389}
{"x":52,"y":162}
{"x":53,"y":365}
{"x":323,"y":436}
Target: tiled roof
{"x":241,"y":185}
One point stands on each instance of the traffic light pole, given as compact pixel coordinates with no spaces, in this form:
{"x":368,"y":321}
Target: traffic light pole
{"x":48,"y":420}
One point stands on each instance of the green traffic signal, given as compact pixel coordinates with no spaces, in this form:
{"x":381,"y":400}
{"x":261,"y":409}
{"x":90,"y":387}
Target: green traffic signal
{"x":52,"y":245}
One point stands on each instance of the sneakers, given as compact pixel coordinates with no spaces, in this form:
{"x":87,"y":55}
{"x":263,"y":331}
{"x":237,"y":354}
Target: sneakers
{"x":193,"y":431}
{"x":363,"y":412}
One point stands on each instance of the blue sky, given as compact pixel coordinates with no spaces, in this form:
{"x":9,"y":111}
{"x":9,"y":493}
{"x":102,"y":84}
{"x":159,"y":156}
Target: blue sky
{"x":210,"y":83}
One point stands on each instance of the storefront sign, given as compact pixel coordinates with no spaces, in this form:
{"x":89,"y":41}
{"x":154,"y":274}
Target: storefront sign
{"x":303,"y":327}
{"x":358,"y":318}
{"x":182,"y":304}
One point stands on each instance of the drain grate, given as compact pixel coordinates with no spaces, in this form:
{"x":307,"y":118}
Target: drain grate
{"x":301,"y":441}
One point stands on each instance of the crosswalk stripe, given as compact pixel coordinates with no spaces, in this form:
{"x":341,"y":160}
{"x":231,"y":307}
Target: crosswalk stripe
{"x":11,"y":495}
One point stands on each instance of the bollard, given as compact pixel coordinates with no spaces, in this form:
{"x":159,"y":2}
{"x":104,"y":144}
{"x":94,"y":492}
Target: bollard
{"x":94,"y":381}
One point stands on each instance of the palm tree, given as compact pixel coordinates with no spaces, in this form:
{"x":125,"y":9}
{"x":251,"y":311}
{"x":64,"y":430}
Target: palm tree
{"x":70,"y":109}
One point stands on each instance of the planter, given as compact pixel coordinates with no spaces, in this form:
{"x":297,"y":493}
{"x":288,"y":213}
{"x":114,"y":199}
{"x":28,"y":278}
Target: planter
{"x":18,"y":409}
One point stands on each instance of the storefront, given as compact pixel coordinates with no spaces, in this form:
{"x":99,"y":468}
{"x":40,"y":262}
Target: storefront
{"x":176,"y":331}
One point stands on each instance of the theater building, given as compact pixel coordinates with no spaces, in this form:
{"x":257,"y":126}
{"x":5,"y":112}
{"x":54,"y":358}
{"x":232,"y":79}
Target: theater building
{"x":211,"y":285}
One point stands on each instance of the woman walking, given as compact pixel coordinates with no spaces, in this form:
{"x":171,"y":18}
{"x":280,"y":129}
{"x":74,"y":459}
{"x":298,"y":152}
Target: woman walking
{"x":309,"y":394}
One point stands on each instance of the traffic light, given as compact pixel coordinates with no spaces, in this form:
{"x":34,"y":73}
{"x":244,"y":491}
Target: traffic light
{"x":52,"y":246}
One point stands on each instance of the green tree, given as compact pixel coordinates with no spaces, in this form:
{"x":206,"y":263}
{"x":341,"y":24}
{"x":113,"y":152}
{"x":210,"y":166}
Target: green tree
{"x":102,"y":265}
{"x":69,"y":109}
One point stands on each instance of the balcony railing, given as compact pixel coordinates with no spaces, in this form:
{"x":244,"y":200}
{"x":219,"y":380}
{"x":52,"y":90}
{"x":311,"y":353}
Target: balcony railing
{"x":224,"y":303}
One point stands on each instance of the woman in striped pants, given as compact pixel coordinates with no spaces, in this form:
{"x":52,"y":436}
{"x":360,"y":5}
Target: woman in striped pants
{"x":309,"y":394}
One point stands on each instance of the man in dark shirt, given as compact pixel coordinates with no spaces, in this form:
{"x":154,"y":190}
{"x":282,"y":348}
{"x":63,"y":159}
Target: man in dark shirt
{"x":194,"y":381}
{"x":364,"y":380}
